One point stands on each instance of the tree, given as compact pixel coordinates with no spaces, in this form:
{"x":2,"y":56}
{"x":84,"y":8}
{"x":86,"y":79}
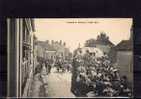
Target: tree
{"x":64,"y":43}
{"x":102,"y":37}
{"x":90,"y":43}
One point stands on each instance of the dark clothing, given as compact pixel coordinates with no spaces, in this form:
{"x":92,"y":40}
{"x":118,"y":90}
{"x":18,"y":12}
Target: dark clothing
{"x":49,"y":68}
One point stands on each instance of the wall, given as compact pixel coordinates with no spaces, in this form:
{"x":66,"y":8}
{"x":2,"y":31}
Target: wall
{"x":50,"y":54}
{"x":40,"y":51}
{"x":15,"y":56}
{"x":104,"y":48}
{"x":125,"y":63}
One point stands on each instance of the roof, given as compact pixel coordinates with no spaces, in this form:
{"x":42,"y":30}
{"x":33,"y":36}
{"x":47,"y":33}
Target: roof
{"x":124,"y":45}
{"x":107,"y":42}
{"x":101,"y":42}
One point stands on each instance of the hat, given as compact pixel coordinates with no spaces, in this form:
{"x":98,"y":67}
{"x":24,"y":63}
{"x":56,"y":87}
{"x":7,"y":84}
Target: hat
{"x":114,"y":70}
{"x":107,"y":83}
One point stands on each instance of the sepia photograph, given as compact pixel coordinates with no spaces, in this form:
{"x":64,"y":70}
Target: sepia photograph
{"x":70,"y":57}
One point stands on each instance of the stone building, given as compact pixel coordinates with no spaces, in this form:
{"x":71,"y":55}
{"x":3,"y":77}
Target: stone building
{"x":21,"y":55}
{"x":122,"y":56}
{"x":53,"y":49}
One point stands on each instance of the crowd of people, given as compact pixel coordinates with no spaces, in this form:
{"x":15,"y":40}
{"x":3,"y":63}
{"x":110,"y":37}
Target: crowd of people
{"x":97,"y":76}
{"x":59,"y":63}
{"x":63,"y":65}
{"x":91,"y":76}
{"x":42,"y":62}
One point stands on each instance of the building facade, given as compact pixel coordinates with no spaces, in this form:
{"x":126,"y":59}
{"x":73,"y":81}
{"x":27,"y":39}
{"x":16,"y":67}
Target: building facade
{"x":21,"y":45}
{"x":53,"y":49}
{"x":122,"y":56}
{"x":124,"y":59}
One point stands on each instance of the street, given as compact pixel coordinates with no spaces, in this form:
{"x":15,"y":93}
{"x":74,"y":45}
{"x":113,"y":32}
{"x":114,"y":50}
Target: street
{"x":52,"y":85}
{"x":59,"y":84}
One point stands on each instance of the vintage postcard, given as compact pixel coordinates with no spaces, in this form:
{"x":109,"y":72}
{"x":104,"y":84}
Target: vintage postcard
{"x":70,"y":57}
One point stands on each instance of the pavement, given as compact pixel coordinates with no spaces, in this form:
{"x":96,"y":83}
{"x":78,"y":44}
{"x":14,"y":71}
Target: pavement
{"x":59,"y":84}
{"x":36,"y":84}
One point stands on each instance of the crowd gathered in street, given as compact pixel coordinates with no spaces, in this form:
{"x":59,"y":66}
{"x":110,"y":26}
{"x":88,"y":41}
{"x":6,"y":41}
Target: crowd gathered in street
{"x":97,"y":76}
{"x":91,"y":76}
{"x":59,"y":63}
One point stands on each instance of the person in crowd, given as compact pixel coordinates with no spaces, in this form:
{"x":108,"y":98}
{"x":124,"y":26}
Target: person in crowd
{"x":46,"y":65}
{"x":38,"y":69}
{"x":115,"y":75}
{"x":86,"y":58}
{"x":58,"y":64}
{"x":99,"y":86}
{"x":49,"y":65}
{"x":125,"y":91}
{"x":108,"y":90}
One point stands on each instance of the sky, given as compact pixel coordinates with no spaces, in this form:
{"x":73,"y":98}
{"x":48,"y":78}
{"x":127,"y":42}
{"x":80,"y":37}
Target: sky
{"x":77,"y":30}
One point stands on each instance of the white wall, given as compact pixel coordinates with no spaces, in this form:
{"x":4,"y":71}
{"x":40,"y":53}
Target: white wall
{"x":104,"y":48}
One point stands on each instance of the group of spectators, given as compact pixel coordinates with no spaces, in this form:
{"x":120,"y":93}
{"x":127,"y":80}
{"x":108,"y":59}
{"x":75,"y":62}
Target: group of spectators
{"x":97,"y":76}
{"x":42,"y":62}
{"x":63,"y":65}
{"x":59,"y":63}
